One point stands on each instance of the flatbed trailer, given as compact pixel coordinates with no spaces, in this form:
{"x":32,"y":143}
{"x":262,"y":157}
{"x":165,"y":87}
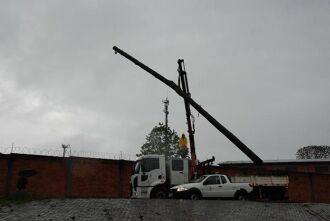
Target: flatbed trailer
{"x":273,"y":187}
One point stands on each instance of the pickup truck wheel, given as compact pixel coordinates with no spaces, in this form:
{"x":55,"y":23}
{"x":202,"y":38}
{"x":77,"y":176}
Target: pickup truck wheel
{"x":241,"y":195}
{"x":194,"y":196}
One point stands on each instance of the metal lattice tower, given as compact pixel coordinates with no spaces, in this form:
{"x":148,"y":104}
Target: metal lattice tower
{"x":166,"y":104}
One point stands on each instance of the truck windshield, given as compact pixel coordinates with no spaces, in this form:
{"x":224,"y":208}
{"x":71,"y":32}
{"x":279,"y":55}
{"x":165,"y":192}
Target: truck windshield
{"x":198,"y":180}
{"x":146,"y":165}
{"x":149,"y":164}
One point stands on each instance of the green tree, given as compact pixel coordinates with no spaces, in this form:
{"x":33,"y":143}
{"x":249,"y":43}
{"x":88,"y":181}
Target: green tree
{"x":313,"y":152}
{"x":161,"y":140}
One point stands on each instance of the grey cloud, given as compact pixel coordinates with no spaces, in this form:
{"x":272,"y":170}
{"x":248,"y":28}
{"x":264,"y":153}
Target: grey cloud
{"x":261,"y":68}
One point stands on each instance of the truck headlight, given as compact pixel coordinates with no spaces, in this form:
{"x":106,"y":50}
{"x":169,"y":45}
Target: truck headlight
{"x":181,"y":188}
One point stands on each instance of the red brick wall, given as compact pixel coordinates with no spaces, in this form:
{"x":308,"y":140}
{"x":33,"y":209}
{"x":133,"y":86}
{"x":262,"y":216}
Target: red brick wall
{"x":299,"y":187}
{"x":309,"y":187}
{"x":239,"y":171}
{"x":85,"y":177}
{"x":321,"y":184}
{"x":308,"y":167}
{"x":100,"y":178}
{"x":71,"y":177}
{"x":94,"y":178}
{"x":126,"y":173}
{"x":49,"y":180}
{"x":303,"y":167}
{"x":3,"y":175}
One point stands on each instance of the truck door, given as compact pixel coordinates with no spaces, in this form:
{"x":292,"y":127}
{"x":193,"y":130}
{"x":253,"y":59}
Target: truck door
{"x":211,"y":187}
{"x":178,"y":171}
{"x":151,"y":170}
{"x":226,"y":188}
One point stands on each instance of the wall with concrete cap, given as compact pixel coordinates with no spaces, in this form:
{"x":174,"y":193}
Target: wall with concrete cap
{"x":88,"y":177}
{"x":66,"y":177}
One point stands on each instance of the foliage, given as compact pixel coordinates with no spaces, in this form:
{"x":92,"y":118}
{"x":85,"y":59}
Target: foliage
{"x":313,"y":152}
{"x":161,"y":140}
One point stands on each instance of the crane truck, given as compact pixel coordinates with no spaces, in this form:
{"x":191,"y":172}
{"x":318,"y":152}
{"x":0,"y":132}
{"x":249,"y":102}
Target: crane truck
{"x":157,"y":177}
{"x":154,"y":174}
{"x":186,"y":96}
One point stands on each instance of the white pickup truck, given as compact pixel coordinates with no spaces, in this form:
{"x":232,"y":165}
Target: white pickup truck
{"x":213,"y":185}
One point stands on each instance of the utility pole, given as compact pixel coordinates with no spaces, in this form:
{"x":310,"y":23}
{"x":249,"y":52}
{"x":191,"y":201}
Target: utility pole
{"x":166,"y":104}
{"x":167,"y":147}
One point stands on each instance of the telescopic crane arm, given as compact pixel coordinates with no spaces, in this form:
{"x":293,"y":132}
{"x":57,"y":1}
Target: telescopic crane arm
{"x":201,"y":110}
{"x":185,"y":88}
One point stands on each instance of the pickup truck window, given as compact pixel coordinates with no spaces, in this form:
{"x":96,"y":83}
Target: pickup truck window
{"x":198,"y":180}
{"x":223,"y":180}
{"x":212,"y":180}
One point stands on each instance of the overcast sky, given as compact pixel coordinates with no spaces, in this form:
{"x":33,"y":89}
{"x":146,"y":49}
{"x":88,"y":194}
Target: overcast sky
{"x":261,"y":68}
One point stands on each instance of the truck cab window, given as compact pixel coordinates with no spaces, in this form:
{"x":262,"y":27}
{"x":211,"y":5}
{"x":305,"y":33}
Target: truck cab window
{"x":177,"y":165}
{"x":150,"y":164}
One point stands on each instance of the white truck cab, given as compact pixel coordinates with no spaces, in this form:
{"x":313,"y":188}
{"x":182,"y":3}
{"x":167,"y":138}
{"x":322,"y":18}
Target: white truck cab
{"x":154,"y":175}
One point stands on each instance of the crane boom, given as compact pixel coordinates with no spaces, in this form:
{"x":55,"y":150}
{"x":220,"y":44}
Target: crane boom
{"x":185,"y":88}
{"x":199,"y":108}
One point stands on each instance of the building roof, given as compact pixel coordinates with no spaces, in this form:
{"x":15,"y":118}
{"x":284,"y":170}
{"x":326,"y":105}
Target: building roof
{"x":278,"y":161}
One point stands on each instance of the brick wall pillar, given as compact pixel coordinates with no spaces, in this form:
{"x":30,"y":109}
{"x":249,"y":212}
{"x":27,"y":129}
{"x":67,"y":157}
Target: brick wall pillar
{"x":120,"y":178}
{"x":10,"y":164}
{"x":311,"y":187}
{"x":68,"y":176}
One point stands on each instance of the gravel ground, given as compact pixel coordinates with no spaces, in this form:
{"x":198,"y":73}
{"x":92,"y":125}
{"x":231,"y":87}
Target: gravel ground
{"x":135,"y":209}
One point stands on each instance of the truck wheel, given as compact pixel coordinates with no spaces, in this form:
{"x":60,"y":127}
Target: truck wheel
{"x":159,"y":193}
{"x":240,"y":195}
{"x":194,"y":196}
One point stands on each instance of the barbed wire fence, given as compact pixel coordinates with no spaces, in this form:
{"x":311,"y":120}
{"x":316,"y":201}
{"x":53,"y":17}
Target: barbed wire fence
{"x":72,"y":153}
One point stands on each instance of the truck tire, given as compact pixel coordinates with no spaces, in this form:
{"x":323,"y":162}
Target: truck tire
{"x":159,"y":193}
{"x":194,"y":195}
{"x":241,"y":195}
